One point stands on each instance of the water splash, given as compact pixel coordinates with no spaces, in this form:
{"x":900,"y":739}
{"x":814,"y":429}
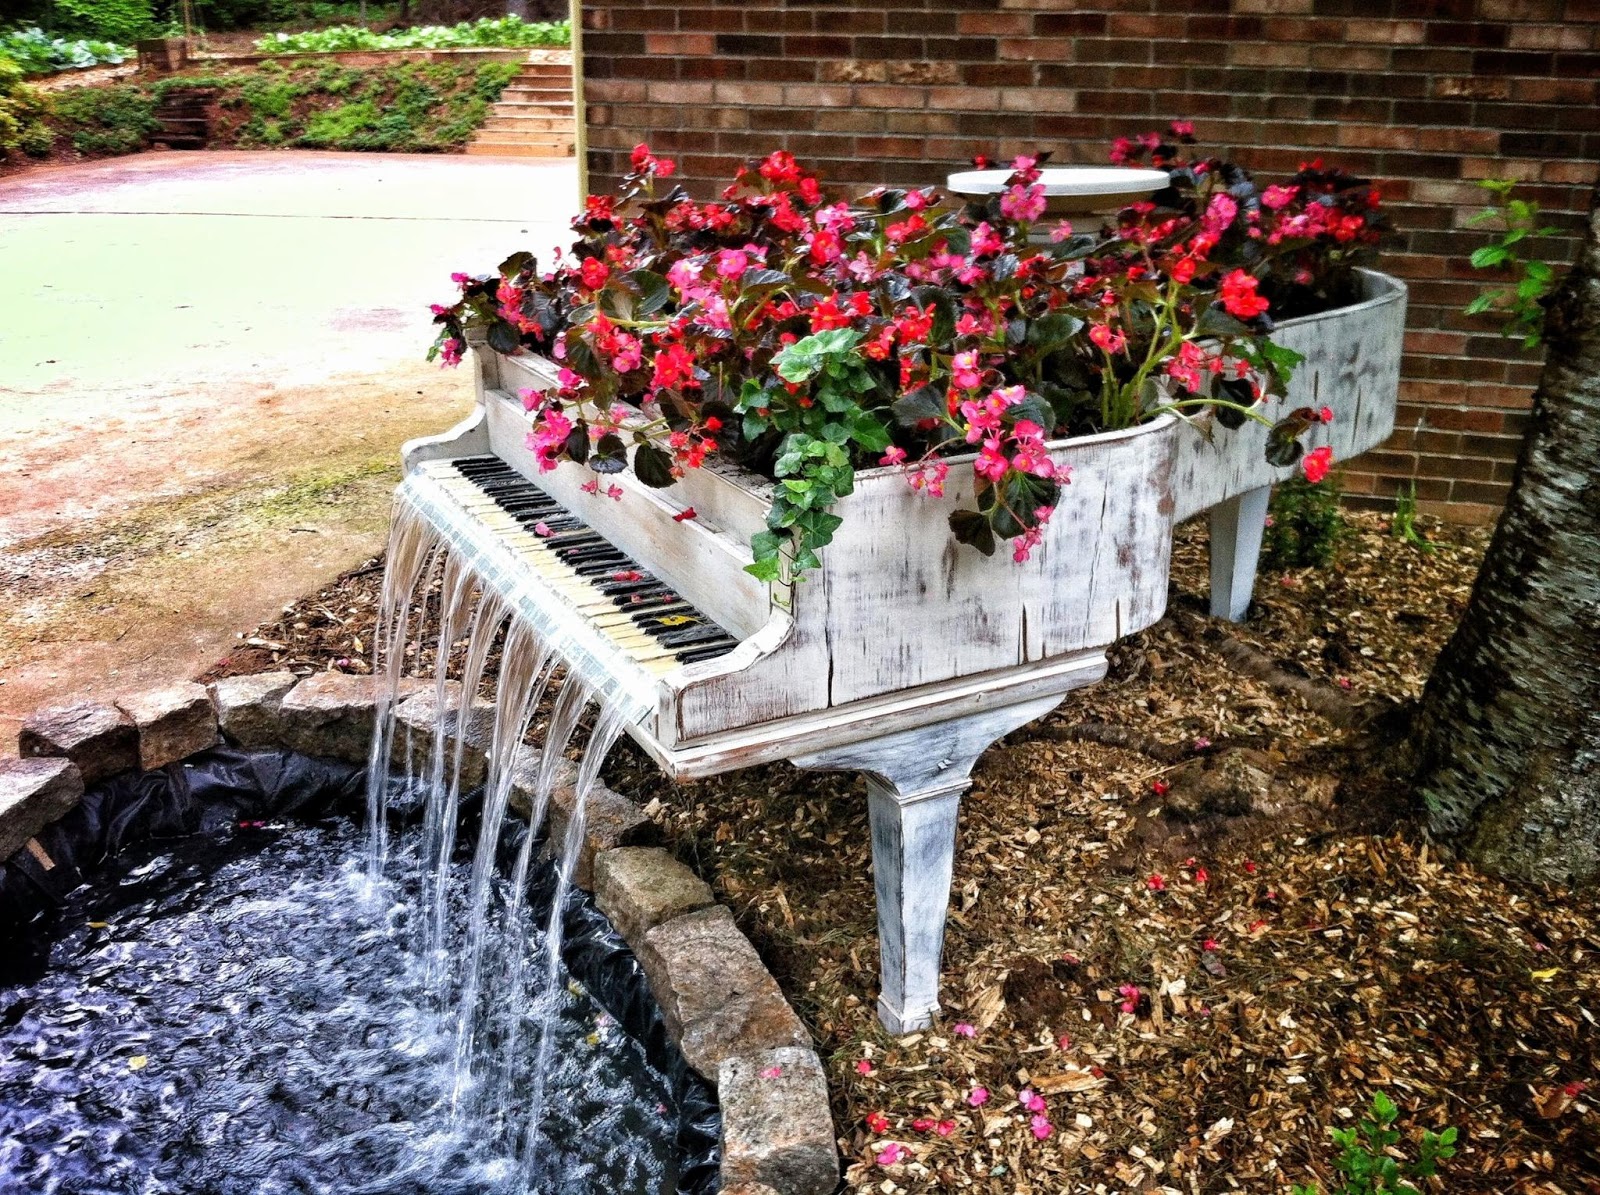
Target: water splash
{"x":442,"y":597}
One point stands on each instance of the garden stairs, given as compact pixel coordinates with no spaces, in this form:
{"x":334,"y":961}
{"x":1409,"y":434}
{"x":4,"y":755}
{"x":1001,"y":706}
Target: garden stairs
{"x":534,"y":118}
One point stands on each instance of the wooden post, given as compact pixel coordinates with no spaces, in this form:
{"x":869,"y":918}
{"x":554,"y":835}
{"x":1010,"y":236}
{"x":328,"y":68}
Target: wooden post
{"x":1236,"y":528}
{"x":915,"y":780}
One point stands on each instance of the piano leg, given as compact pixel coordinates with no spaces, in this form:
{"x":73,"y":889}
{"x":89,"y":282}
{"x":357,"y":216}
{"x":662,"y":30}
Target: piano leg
{"x":1236,"y":527}
{"x":915,"y":780}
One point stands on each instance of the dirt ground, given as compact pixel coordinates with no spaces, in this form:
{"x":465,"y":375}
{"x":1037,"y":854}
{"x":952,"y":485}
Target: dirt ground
{"x":1196,"y":922}
{"x":208,"y":364}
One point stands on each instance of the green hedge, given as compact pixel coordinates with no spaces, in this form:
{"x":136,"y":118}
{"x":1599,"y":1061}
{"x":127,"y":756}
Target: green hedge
{"x":488,"y":33}
{"x":22,"y":112}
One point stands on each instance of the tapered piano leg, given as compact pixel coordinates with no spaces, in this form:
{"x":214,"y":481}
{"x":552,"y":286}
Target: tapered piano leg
{"x":1236,"y":528}
{"x":915,"y":780}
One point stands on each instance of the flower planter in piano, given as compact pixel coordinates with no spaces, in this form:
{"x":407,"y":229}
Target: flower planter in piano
{"x":1352,"y":365}
{"x":900,"y":618}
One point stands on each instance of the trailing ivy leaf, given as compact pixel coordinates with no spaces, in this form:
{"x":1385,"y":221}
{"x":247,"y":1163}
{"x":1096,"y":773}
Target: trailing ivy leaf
{"x":503,"y":338}
{"x":973,"y":529}
{"x":868,"y":432}
{"x":652,"y":466}
{"x":609,"y":455}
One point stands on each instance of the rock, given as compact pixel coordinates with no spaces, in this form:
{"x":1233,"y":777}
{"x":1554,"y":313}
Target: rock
{"x":777,"y":1130}
{"x":100,"y":739}
{"x":638,"y":888}
{"x":747,"y":1189}
{"x":331,"y":714}
{"x":610,"y":821}
{"x":248,"y":707}
{"x":173,"y":722}
{"x":716,"y":997}
{"x":1230,"y":784}
{"x":525,"y":780}
{"x":421,"y":715}
{"x":34,"y":793}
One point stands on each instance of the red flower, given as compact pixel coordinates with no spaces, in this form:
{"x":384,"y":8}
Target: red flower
{"x":878,"y":1122}
{"x":1239,"y":297}
{"x":594,"y":273}
{"x":1316,"y":462}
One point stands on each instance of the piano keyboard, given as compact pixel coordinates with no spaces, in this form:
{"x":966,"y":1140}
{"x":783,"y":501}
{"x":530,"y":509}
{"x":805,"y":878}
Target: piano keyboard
{"x":634,"y":610}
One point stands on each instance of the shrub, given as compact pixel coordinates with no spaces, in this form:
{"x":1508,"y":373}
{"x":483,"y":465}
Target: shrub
{"x":106,"y":20}
{"x":1306,"y":527}
{"x":22,"y":111}
{"x":488,"y":32}
{"x":107,"y":120}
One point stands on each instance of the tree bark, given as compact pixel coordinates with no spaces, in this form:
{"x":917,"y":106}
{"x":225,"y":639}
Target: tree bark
{"x":1508,"y":733}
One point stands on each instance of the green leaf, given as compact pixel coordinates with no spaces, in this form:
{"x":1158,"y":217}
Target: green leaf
{"x":655,"y":292}
{"x":653,"y":466}
{"x":517,"y":263}
{"x":610,"y":455}
{"x":1214,"y":321}
{"x":925,"y":402}
{"x":971,"y":528}
{"x":1488,"y":256}
{"x":868,"y":432}
{"x":503,"y":338}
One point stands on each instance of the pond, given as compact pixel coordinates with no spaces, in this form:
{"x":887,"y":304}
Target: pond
{"x":246,"y":1010}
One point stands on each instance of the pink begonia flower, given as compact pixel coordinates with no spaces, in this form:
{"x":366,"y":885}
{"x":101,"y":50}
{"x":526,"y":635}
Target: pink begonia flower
{"x":923,"y":1124}
{"x":1111,"y":342}
{"x":892,"y":1154}
{"x":965,"y":372}
{"x":991,"y":462}
{"x":978,"y":1097}
{"x":877,"y":1122}
{"x":1041,"y":1126}
{"x":894,"y":456}
{"x":985,"y":241}
{"x":450,"y":352}
{"x":1315,"y":464}
{"x":732,"y":263}
{"x":863,"y":1067}
{"x":1031,"y":1100}
{"x":1023,"y":203}
{"x":1275,"y":198}
{"x":1064,"y":1043}
{"x":965,"y":1030}
{"x":945,"y":1127}
{"x":930,"y":476}
{"x":1061,"y":231}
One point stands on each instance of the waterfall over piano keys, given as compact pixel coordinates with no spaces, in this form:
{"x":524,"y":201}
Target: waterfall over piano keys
{"x":441,"y":592}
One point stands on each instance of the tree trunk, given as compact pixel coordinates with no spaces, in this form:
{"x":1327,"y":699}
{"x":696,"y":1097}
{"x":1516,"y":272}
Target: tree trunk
{"x":1508,"y":735}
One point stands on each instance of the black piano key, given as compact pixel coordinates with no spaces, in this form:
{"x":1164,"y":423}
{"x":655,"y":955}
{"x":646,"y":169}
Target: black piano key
{"x":614,"y":569}
{"x":693,"y":636}
{"x":695,"y":654}
{"x":636,"y":602}
{"x":649,"y":587}
{"x":675,"y":618}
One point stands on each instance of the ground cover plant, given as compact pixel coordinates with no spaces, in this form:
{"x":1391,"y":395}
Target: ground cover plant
{"x":484,"y":33}
{"x":807,"y":337}
{"x":405,"y":107}
{"x":1193,"y":918}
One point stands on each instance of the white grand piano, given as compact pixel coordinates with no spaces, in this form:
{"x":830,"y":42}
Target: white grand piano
{"x":904,"y":656}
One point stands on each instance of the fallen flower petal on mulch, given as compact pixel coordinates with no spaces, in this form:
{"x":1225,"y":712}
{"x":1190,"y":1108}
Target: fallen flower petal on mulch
{"x":1304,"y":946}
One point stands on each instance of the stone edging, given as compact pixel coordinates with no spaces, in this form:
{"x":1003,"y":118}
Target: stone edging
{"x":721,"y":1005}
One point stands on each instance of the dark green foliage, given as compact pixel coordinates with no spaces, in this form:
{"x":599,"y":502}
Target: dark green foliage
{"x":106,"y":120}
{"x":122,"y":21}
{"x":408,"y":107}
{"x":22,"y":111}
{"x":1305,"y":528}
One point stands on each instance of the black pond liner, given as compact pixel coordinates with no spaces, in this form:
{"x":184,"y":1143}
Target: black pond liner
{"x":212,"y":793}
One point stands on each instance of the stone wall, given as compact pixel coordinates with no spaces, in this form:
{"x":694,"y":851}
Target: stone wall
{"x":1426,"y":96}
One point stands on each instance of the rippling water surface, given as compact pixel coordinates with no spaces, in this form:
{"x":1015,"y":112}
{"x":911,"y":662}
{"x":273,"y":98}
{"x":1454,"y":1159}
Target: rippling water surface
{"x":247,"y":1016}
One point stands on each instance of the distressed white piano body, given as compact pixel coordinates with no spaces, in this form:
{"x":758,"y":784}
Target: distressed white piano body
{"x":1352,"y":364}
{"x":904,"y":656}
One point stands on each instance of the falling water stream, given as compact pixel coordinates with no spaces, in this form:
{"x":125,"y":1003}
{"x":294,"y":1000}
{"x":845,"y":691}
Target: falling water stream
{"x":389,"y":1019}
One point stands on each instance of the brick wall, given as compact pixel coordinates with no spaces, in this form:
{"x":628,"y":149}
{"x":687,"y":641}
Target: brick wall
{"x":1425,"y":96}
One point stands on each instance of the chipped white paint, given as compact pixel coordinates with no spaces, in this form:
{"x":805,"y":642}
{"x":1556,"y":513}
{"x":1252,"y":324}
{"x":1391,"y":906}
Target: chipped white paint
{"x":1352,"y":365}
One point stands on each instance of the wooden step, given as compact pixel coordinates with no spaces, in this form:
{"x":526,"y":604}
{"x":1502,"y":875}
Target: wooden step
{"x":555,"y":147}
{"x":502,"y":123}
{"x":554,"y":95}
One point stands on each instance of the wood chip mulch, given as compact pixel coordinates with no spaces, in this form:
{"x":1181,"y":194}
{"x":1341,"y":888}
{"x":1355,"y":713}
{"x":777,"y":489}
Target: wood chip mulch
{"x":1197,"y":991}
